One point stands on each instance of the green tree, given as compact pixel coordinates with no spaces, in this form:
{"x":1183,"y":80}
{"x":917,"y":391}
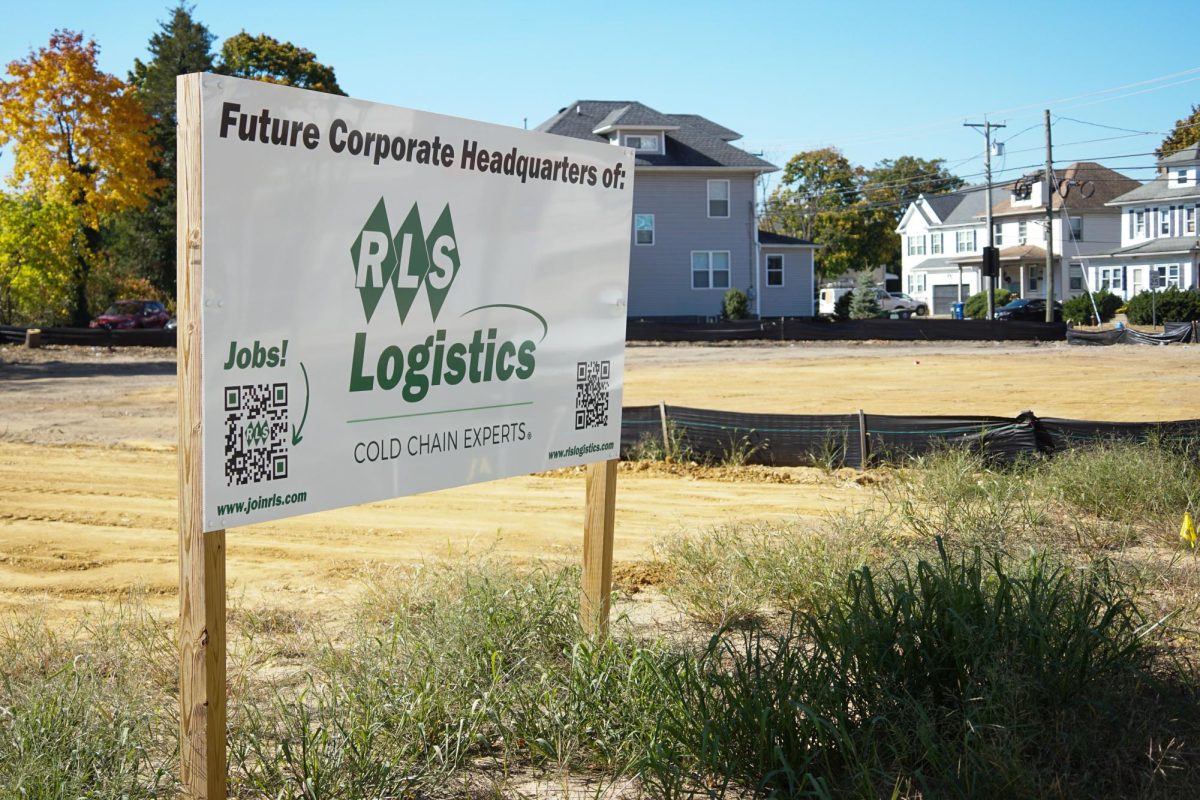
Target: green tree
{"x":865,"y":304}
{"x":79,"y":138}
{"x":35,"y":260}
{"x":144,"y":240}
{"x":1185,"y":133}
{"x":820,"y":198}
{"x":263,"y":58}
{"x":890,"y":186}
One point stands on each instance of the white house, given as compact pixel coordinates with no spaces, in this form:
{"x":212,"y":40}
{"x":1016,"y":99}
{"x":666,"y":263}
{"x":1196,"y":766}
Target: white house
{"x":942,"y":237}
{"x":1158,"y":231}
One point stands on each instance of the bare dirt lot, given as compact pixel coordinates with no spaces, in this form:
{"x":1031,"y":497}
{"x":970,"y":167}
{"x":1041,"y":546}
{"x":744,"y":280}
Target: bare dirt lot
{"x":88,"y":470}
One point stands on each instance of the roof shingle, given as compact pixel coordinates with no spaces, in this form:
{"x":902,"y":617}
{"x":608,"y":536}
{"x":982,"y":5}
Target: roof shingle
{"x":696,"y":142}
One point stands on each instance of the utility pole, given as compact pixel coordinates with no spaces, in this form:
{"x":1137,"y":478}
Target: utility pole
{"x":990,"y":281}
{"x":1049,"y":179}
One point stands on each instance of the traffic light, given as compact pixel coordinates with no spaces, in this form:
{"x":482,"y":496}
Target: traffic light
{"x":991,"y":262}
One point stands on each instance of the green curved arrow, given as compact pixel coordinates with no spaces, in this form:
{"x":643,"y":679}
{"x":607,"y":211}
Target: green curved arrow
{"x":296,"y":437}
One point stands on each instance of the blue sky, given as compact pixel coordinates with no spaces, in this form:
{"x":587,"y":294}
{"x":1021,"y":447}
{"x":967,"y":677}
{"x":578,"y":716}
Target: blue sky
{"x":877,"y":79}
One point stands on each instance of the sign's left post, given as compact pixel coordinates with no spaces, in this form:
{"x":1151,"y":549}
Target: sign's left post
{"x":201,"y":552}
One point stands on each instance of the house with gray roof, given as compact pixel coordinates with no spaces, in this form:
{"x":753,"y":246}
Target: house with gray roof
{"x":1158,"y":231}
{"x":694,"y":233}
{"x":942,"y":237}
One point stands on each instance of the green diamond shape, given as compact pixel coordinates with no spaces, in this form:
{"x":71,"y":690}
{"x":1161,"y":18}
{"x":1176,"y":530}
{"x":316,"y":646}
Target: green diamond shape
{"x":443,"y":261}
{"x":373,"y":259}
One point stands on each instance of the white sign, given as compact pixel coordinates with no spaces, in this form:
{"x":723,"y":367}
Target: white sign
{"x":396,"y":301}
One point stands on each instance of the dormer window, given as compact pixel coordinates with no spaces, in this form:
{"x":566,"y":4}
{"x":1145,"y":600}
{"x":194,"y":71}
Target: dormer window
{"x":643,"y":142}
{"x":1181,"y":177}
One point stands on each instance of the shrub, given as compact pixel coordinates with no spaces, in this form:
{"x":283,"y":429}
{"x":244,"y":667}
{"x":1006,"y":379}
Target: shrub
{"x":960,"y":676}
{"x":1172,"y":304}
{"x":864,"y":305}
{"x":976,"y":305}
{"x":736,"y":305}
{"x":1079,"y":310}
{"x":841,"y":307}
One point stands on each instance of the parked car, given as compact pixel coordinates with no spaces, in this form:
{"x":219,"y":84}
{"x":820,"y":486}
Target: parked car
{"x":128,"y":314}
{"x":899,"y":301}
{"x":1028,"y":309}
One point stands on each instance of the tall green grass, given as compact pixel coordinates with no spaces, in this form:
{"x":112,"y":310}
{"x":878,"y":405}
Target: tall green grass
{"x":955,"y":677}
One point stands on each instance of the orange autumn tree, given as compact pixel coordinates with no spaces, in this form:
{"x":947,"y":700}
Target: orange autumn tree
{"x":80,"y":139}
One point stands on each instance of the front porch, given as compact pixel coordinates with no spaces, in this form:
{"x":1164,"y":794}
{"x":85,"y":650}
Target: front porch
{"x":1023,"y":271}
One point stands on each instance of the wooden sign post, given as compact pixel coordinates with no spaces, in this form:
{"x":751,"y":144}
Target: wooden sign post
{"x":598,"y":524}
{"x":201,"y":554}
{"x":203,"y":514}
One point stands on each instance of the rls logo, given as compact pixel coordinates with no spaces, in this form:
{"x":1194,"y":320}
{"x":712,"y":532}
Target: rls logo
{"x":405,"y":262}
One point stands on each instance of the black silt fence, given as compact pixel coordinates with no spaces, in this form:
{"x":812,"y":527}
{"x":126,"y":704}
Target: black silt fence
{"x":893,"y":438}
{"x":1064,"y":434}
{"x":94,"y":337}
{"x":782,"y":440}
{"x":786,"y":440}
{"x":638,"y":423}
{"x":909,"y":330}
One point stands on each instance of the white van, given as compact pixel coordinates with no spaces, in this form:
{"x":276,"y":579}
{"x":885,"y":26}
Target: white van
{"x":827,"y":299}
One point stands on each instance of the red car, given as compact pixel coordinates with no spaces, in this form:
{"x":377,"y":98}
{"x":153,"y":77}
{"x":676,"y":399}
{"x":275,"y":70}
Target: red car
{"x":128,"y":314}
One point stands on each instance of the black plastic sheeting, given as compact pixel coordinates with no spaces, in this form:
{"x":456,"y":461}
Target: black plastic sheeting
{"x":891,"y":439}
{"x":908,"y":330}
{"x":834,"y":439}
{"x":1173,"y":333}
{"x":1064,"y":434}
{"x":783,"y":440}
{"x":94,"y":337}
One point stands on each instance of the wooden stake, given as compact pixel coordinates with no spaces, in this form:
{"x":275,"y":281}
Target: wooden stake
{"x":201,"y":554}
{"x":598,"y":527}
{"x":666,"y":431}
{"x":863,"y":455}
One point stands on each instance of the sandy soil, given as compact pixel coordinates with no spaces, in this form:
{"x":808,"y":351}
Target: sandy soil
{"x":87,"y":462}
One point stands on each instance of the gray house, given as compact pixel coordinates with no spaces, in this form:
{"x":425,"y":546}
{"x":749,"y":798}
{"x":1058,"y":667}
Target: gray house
{"x":1160,"y":242}
{"x":695,"y":223}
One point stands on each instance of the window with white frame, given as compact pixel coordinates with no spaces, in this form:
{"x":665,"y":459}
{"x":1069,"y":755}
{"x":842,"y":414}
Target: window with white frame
{"x":1139,"y":222}
{"x":916,"y":245}
{"x":643,"y":229}
{"x":964,"y":241}
{"x":998,"y":234}
{"x":1076,"y":228}
{"x":1168,"y":275}
{"x":1181,"y":177}
{"x":1022,"y":232}
{"x":920,"y":281}
{"x":1189,"y":219}
{"x":1034,"y":278}
{"x":642,"y":142}
{"x":718,"y":198}
{"x":1164,"y":222}
{"x":935,"y":243}
{"x":1075,"y":277}
{"x":710,"y":269}
{"x":774,"y":270}
{"x":1110,"y":277}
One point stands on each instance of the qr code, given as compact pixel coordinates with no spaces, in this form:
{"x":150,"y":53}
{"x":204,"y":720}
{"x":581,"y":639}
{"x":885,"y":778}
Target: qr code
{"x":591,"y":394}
{"x":256,"y":433}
